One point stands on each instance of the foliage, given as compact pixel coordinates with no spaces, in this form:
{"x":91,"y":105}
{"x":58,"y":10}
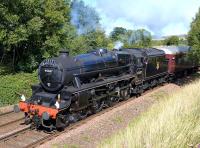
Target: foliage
{"x":131,"y":38}
{"x":172,"y":40}
{"x":97,"y":39}
{"x":157,"y":42}
{"x":78,"y":45}
{"x":31,"y":30}
{"x":183,"y":42}
{"x":139,"y":38}
{"x":172,"y":122}
{"x":90,"y":41}
{"x":117,"y":33}
{"x":89,"y":34}
{"x":84,"y":18}
{"x":14,"y":84}
{"x":194,"y":37}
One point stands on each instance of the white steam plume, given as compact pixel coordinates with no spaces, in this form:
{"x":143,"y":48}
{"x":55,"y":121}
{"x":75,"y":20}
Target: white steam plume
{"x":118,"y":45}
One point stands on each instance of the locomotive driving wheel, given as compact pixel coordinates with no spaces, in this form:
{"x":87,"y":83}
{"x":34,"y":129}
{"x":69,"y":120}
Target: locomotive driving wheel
{"x":125,"y":94}
{"x":110,"y":101}
{"x":97,"y":106}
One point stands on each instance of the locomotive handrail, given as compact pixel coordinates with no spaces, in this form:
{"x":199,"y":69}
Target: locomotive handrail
{"x":85,"y":87}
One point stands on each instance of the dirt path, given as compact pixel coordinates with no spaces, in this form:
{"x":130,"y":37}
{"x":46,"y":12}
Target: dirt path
{"x":103,"y":126}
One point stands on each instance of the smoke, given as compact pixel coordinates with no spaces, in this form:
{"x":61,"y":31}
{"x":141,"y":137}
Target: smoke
{"x":118,"y":45}
{"x":83,"y":17}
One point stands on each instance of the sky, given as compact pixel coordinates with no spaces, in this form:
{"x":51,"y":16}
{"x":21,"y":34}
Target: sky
{"x":160,"y":17}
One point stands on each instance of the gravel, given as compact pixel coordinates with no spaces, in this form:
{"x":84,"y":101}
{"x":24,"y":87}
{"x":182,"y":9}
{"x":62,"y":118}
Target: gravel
{"x":6,"y":109}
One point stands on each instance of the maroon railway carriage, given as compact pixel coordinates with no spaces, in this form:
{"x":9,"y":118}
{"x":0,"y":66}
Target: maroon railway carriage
{"x":178,"y":61}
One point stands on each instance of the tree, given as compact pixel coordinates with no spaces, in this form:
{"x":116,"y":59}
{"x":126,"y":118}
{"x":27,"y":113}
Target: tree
{"x":31,"y":30}
{"x":172,"y":40}
{"x":84,"y":18}
{"x":138,"y":38}
{"x":96,"y":39}
{"x":118,"y":33}
{"x":78,"y":45}
{"x":90,"y":41}
{"x":157,"y":43}
{"x":89,"y":35}
{"x":194,"y":37}
{"x":131,"y":38}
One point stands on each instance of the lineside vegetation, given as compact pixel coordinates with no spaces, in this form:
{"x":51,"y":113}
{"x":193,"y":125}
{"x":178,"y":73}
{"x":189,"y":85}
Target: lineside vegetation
{"x":14,"y":84}
{"x":172,"y":122}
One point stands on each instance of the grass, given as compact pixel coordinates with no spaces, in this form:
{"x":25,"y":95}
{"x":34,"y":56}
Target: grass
{"x":13,"y":84}
{"x":86,"y":138}
{"x":65,"y":146}
{"x":174,"y":121}
{"x":159,"y":95}
{"x":118,"y":119}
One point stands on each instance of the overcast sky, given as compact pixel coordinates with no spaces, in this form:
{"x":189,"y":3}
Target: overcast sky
{"x":161,"y":17}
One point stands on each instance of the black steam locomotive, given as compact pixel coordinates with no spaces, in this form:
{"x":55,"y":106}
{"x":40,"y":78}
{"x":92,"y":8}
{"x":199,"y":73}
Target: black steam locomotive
{"x":71,"y":88}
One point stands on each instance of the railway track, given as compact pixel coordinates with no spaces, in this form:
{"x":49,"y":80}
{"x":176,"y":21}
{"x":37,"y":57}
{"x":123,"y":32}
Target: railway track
{"x":28,"y":138}
{"x":6,"y":113}
{"x":9,"y":116}
{"x":10,"y":121}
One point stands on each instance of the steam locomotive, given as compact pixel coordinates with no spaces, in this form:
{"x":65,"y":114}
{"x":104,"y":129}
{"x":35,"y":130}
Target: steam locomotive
{"x":72,"y":88}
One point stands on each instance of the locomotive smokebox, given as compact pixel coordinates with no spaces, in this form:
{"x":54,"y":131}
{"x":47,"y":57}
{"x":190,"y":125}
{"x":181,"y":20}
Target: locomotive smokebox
{"x":55,"y":72}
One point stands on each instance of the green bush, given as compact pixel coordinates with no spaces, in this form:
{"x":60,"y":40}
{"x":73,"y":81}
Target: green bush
{"x":11,"y":85}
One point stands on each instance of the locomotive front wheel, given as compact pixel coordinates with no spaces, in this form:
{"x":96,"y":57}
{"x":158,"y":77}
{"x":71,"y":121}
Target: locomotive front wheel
{"x":61,"y":122}
{"x":27,"y":120}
